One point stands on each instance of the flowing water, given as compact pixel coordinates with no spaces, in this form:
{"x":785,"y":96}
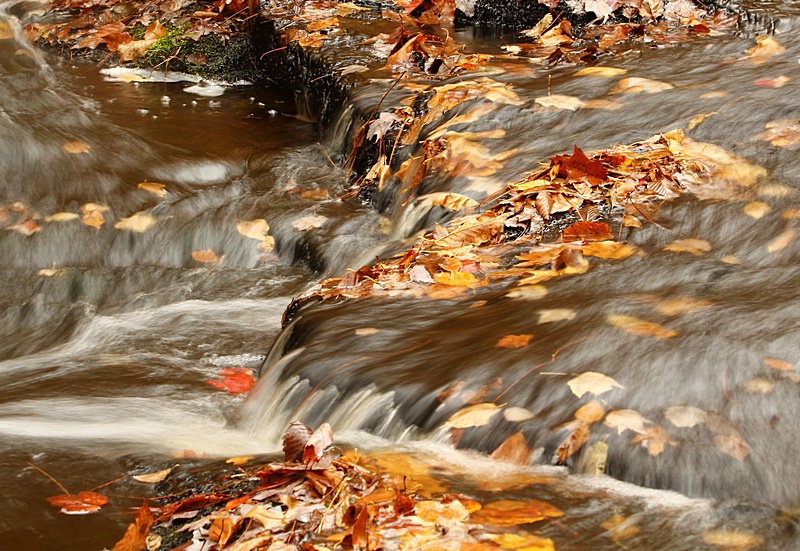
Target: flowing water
{"x":107,"y":337}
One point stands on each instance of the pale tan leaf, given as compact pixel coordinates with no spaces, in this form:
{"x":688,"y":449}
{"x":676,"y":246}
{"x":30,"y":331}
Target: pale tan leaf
{"x":305,"y":223}
{"x":61,"y":217}
{"x":689,"y":245}
{"x":450,"y":201}
{"x":257,"y":229}
{"x":685,"y":416}
{"x":756,"y":209}
{"x":569,"y":103}
{"x":592,"y":383}
{"x":631,"y":85}
{"x":782,"y":241}
{"x":552,"y":315}
{"x":759,"y":385}
{"x":680,"y":305}
{"x":732,"y":541}
{"x":159,"y":190}
{"x":601,"y":72}
{"x":516,"y":414}
{"x":765,"y":48}
{"x":610,"y":250}
{"x":641,"y":328}
{"x":152,"y":478}
{"x":626,"y":419}
{"x":591,"y":412}
{"x":135,"y":49}
{"x":139,"y":222}
{"x":76,"y":148}
{"x":472,"y":416}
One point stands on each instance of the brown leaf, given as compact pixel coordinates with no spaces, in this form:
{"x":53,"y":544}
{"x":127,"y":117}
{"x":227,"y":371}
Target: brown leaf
{"x":579,"y":168}
{"x":654,"y":439}
{"x":573,"y":442}
{"x":78,"y":504}
{"x":221,"y":531}
{"x":511,"y":513}
{"x":591,"y":412}
{"x":317,"y":443}
{"x":514,"y":449}
{"x":76,"y":148}
{"x":294,"y":441}
{"x":135,"y":537}
{"x":152,"y":478}
{"x":361,"y":530}
{"x":641,"y":328}
{"x":726,"y":437}
{"x":134,"y":50}
{"x":155,"y":31}
{"x":587,"y":231}
{"x":514,"y":341}
{"x":205,"y":256}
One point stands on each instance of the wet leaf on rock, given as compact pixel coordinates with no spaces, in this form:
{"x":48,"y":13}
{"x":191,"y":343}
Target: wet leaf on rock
{"x":152,"y":478}
{"x":514,"y":341}
{"x":294,"y":441}
{"x":592,"y":383}
{"x":556,"y":101}
{"x":135,"y":538}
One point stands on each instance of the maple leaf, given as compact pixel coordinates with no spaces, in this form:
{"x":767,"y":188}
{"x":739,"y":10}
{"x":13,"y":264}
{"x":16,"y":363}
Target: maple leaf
{"x":237,"y":380}
{"x":579,"y":168}
{"x":81,"y":503}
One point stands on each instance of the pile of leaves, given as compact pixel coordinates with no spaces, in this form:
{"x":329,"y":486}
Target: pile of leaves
{"x":319,"y":499}
{"x":546,"y":225}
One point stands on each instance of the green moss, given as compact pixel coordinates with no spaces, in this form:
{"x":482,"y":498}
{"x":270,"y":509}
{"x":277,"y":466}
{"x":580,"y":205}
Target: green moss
{"x":137,"y":31}
{"x":167,"y":46}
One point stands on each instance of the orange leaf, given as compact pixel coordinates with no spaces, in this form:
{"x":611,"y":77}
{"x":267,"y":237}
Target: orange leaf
{"x":78,"y":504}
{"x":238,"y":380}
{"x":510,"y":513}
{"x":641,"y":328}
{"x":513,"y":449}
{"x":206,"y":255}
{"x":578,"y":167}
{"x":136,"y":534}
{"x":780,"y":365}
{"x":514,"y":341}
{"x":588,"y":231}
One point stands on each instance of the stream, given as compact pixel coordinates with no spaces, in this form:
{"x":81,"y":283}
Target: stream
{"x":108,"y":337}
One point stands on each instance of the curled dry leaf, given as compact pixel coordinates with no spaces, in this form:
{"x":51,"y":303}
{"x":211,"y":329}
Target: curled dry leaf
{"x":317,"y":443}
{"x":81,"y":503}
{"x":626,"y":419}
{"x":472,"y":416}
{"x":294,"y":441}
{"x":689,"y":245}
{"x":135,"y":537}
{"x":75,"y":148}
{"x":640,"y":328}
{"x":685,"y":416}
{"x":514,"y":449}
{"x":152,"y":478}
{"x":205,"y":256}
{"x":514,"y":341}
{"x":511,"y":513}
{"x":574,"y":441}
{"x":159,"y":190}
{"x":592,"y":383}
{"x":139,"y":222}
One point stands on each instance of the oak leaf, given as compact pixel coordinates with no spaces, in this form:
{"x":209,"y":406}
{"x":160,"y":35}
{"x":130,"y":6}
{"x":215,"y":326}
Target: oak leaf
{"x":578,"y":167}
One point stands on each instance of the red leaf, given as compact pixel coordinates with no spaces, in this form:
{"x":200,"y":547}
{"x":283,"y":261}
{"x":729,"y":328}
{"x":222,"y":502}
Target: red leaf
{"x":238,"y":380}
{"x":578,"y":168}
{"x":589,"y":231}
{"x":81,"y":503}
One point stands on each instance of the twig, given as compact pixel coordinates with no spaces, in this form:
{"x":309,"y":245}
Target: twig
{"x":63,"y":489}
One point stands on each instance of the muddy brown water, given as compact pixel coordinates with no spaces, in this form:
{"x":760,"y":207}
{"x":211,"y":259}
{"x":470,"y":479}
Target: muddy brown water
{"x":103,"y":364}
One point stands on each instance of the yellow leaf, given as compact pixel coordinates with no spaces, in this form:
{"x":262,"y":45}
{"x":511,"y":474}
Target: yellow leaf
{"x":766,"y":47}
{"x":782,"y":241}
{"x":152,"y":478}
{"x":456,"y":279}
{"x":510,"y":513}
{"x":450,"y":201}
{"x":681,"y":305}
{"x":365,"y":331}
{"x":472,"y":416}
{"x":254,"y":229}
{"x":641,"y":328}
{"x":139,"y":222}
{"x":528,"y":292}
{"x":267,"y":245}
{"x":592,"y":383}
{"x":780,"y":365}
{"x":689,"y":245}
{"x":514,"y":341}
{"x":239,"y":460}
{"x":601,"y":72}
{"x":154,"y":188}
{"x":618,"y":527}
{"x":730,"y":259}
{"x":522,"y":542}
{"x":775,"y":190}
{"x":630,"y":221}
{"x":732,"y":541}
{"x":756,"y":209}
{"x":61,"y":217}
{"x":76,"y":148}
{"x":608,"y":249}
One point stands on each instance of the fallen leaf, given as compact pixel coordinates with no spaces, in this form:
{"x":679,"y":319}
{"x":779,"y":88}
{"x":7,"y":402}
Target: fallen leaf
{"x":610,"y":250}
{"x":154,"y":188}
{"x":456,"y":279}
{"x":205,"y":255}
{"x":472,"y":416}
{"x":511,"y":513}
{"x":685,"y":416}
{"x":587,"y":231}
{"x":152,"y":478}
{"x":155,"y":30}
{"x":775,"y":190}
{"x":294,"y":441}
{"x":569,"y":103}
{"x":139,"y":222}
{"x":592,"y":383}
{"x":727,"y":437}
{"x":632,"y":85}
{"x":759,"y":385}
{"x":732,"y":541}
{"x":516,"y":414}
{"x":365,"y":331}
{"x":61,"y":217}
{"x":257,"y":229}
{"x":689,"y":245}
{"x":525,"y":542}
{"x":765,"y":48}
{"x":626,"y":419}
{"x":618,"y":527}
{"x":135,"y":537}
{"x":514,"y":341}
{"x":641,"y":328}
{"x":578,"y":167}
{"x":778,"y":82}
{"x":317,"y":443}
{"x":135,"y":49}
{"x":781,"y":133}
{"x":730,"y":259}
{"x":93,"y":214}
{"x":699,"y":119}
{"x":574,"y":441}
{"x":28,"y":227}
{"x":306,"y":223}
{"x":449,"y":201}
{"x":514,"y":449}
{"x":81,"y":503}
{"x":601,"y":72}
{"x":654,"y":440}
{"x":680,"y":305}
{"x":756,"y":209}
{"x":591,"y":412}
{"x":556,"y":314}
{"x":237,"y":380}
{"x":780,"y":365}
{"x":76,"y":148}
{"x":782,"y":241}
{"x":239,"y":460}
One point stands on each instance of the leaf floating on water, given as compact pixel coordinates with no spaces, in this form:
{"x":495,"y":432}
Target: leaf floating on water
{"x":514,"y":341}
{"x":633,"y":85}
{"x":732,"y":541}
{"x":626,"y":419}
{"x":640,"y":328}
{"x":782,"y":241}
{"x":81,"y":503}
{"x":756,"y":209}
{"x":61,"y":217}
{"x":76,"y":148}
{"x":778,"y":82}
{"x":654,"y":440}
{"x":685,"y":416}
{"x":681,"y":305}
{"x":152,"y":478}
{"x":556,"y":101}
{"x":511,"y":513}
{"x":514,"y":449}
{"x":779,"y":365}
{"x":766,"y":47}
{"x":472,"y":416}
{"x":618,"y":528}
{"x":139,"y":222}
{"x":610,"y":250}
{"x":205,"y":256}
{"x":601,"y":72}
{"x":726,"y":437}
{"x":312,"y":221}
{"x":27,"y":228}
{"x":553,"y":315}
{"x":591,"y":412}
{"x":592,"y":383}
{"x":93,"y":214}
{"x":449,"y":201}
{"x":154,"y":188}
{"x":781,"y":133}
{"x":689,"y":245}
{"x":573,"y":442}
{"x":257,"y":229}
{"x":516,"y":414}
{"x":237,"y":380}
{"x":135,"y":538}
{"x":525,"y":542}
{"x":759,"y":385}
